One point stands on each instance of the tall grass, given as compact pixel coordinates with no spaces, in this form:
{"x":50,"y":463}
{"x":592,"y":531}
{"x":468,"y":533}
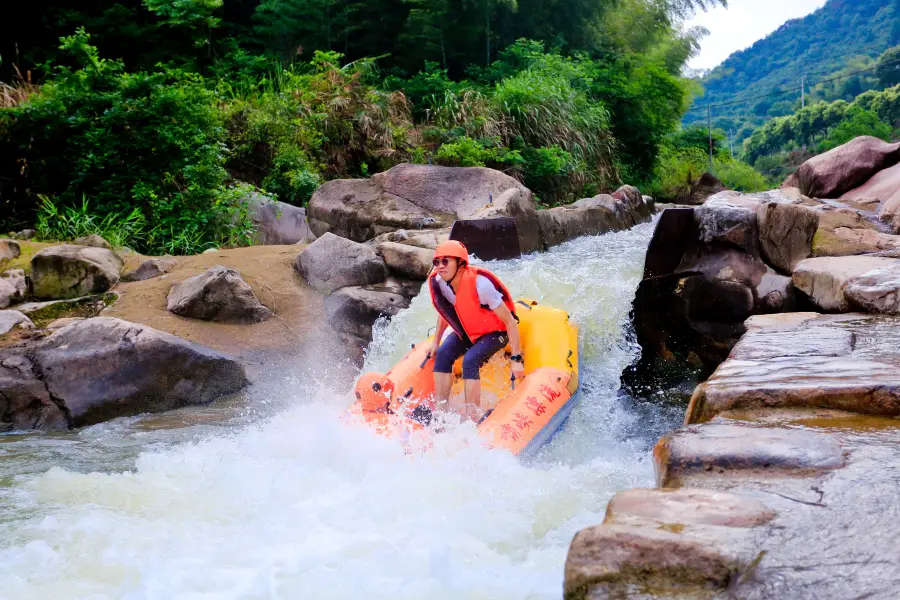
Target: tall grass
{"x":16,"y":93}
{"x":68,"y":223}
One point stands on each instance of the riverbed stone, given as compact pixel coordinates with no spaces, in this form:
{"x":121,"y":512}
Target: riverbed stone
{"x":589,"y":216}
{"x":333,"y":262}
{"x":723,"y":449}
{"x":785,"y":233}
{"x":13,"y":318}
{"x":9,"y":249}
{"x":25,"y":402}
{"x":353,"y":310}
{"x":877,"y":291}
{"x":218,"y":294}
{"x":406,"y":260}
{"x":605,"y":559}
{"x":103,"y":368}
{"x":70,"y":271}
{"x":843,"y":362}
{"x":150,"y":268}
{"x":824,"y":279}
{"x":846,"y":232}
{"x":689,"y":505}
{"x":727,"y":222}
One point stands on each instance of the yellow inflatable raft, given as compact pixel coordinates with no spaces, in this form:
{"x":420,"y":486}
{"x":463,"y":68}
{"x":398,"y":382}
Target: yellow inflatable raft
{"x":521,"y":415}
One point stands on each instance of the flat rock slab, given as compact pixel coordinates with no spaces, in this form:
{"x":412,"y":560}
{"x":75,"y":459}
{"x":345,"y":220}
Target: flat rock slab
{"x":824,"y":279}
{"x":695,"y":506}
{"x":723,"y":449}
{"x":876,"y":291}
{"x":816,"y":341}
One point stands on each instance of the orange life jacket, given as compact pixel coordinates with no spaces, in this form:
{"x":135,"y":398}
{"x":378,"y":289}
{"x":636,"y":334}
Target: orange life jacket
{"x":469,"y":318}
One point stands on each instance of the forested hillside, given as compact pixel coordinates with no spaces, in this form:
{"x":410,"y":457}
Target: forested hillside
{"x":842,"y":37}
{"x":156,"y":117}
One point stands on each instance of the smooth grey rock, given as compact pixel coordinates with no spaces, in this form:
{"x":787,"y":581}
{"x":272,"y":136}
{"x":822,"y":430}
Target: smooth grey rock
{"x":824,"y":279}
{"x":354,"y":310}
{"x":333,"y":262}
{"x":13,"y":318}
{"x":278,"y":223}
{"x":69,"y":271}
{"x":9,"y":249}
{"x":218,"y":294}
{"x":103,"y":368}
{"x":405,"y":260}
{"x":25,"y":402}
{"x":93,"y":240}
{"x":876,"y":291}
{"x":150,"y":268}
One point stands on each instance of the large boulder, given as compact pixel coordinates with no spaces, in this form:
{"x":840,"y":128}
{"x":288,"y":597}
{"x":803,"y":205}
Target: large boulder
{"x":879,"y":187}
{"x":277,"y":222}
{"x":421,"y":197}
{"x":704,"y":187}
{"x":103,"y":368}
{"x":590,"y":216}
{"x":25,"y":402}
{"x":825,"y":279}
{"x":73,"y":271}
{"x":876,"y":291}
{"x":217,"y":294}
{"x":9,"y":249}
{"x":844,"y":168}
{"x":333,"y":262}
{"x":406,"y":260}
{"x":353,"y":310}
{"x":786,"y":233}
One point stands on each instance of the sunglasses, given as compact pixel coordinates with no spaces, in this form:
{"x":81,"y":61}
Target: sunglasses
{"x":440,"y":261}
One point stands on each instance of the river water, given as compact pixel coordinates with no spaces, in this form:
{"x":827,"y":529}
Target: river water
{"x":270,"y":495}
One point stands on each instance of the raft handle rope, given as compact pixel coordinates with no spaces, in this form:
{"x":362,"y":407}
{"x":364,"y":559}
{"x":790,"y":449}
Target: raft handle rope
{"x":571,"y":366}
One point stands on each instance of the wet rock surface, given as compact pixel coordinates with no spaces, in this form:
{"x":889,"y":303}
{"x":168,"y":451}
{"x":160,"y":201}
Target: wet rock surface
{"x":353,"y":310}
{"x":218,"y":294}
{"x":719,"y":449}
{"x":876,"y":291}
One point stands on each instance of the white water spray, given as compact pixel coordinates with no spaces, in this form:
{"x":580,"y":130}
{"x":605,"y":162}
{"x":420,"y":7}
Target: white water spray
{"x":294,"y":503}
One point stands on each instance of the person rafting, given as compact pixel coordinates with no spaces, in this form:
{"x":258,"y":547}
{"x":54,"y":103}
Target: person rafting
{"x":476,"y":305}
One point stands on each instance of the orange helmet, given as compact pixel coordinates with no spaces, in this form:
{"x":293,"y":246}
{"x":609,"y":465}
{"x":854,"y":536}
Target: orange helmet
{"x":452,"y":248}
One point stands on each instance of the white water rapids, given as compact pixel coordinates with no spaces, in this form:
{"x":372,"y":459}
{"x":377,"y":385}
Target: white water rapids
{"x":270,"y":495}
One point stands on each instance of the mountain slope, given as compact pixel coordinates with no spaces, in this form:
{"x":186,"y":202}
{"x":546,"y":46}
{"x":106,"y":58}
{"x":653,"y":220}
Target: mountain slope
{"x":841,"y":34}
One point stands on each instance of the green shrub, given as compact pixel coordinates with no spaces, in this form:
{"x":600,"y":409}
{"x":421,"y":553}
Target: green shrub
{"x":857,"y":122}
{"x":68,"y":223}
{"x":152,"y":141}
{"x":676,"y":171}
{"x":740,"y":176}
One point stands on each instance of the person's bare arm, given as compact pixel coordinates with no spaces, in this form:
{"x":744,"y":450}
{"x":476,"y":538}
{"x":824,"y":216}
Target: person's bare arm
{"x":512,"y":329}
{"x":438,"y":335}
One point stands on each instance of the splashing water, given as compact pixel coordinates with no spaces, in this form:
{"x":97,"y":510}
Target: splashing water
{"x":289,"y":501}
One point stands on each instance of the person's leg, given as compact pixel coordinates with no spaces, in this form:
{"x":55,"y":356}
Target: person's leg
{"x":452,"y":348}
{"x":484,"y":348}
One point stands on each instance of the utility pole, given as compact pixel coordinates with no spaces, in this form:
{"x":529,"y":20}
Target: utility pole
{"x":803,"y":92}
{"x":709,"y":129}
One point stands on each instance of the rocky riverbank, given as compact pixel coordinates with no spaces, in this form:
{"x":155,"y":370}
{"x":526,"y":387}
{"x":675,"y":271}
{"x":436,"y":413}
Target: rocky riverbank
{"x":782,"y":482}
{"x":89,"y":332}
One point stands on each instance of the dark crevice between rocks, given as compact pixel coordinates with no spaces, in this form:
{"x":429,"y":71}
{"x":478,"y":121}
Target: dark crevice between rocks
{"x":59,"y":402}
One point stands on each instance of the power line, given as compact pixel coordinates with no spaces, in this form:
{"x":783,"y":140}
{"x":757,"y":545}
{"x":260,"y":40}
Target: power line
{"x":792,"y":89}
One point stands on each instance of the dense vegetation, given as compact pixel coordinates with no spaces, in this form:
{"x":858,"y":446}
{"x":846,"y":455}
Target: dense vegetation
{"x":841,"y":38}
{"x":160,"y":114}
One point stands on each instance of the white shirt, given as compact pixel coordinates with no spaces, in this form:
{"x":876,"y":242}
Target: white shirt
{"x":487,"y":293}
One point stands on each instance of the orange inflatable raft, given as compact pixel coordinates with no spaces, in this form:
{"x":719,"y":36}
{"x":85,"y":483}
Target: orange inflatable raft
{"x":521,"y":415}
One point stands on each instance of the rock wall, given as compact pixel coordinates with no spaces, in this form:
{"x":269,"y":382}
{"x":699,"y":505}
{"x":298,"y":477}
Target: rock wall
{"x":789,"y":451}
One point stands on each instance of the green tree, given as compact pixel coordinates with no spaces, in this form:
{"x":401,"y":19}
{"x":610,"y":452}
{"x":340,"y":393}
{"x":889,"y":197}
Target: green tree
{"x":888,"y":68}
{"x":858,"y":122}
